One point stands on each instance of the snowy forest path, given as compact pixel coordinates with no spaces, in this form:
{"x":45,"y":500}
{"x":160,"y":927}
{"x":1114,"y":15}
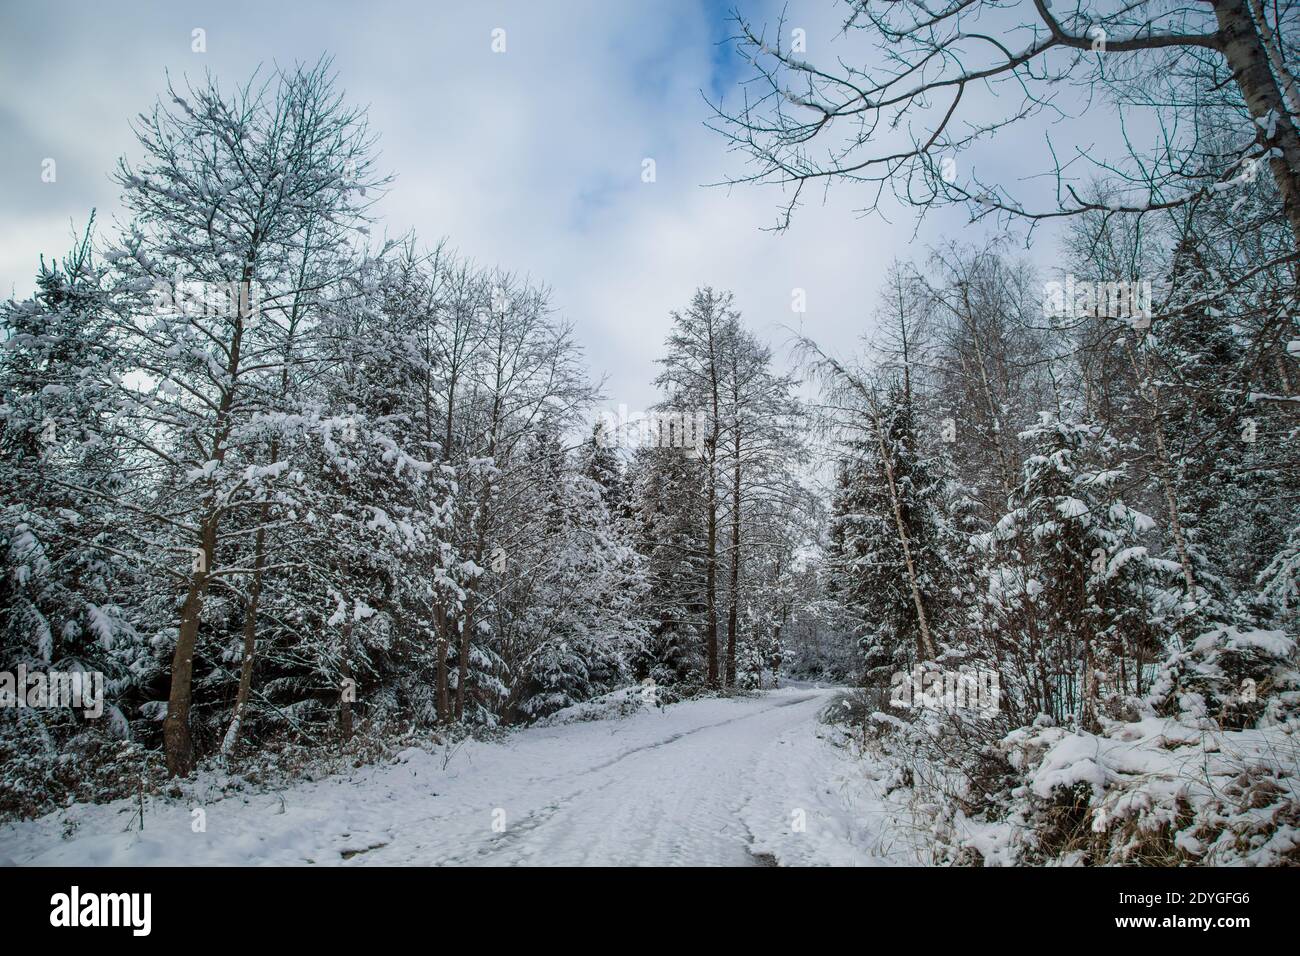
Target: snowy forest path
{"x":673,"y":801}
{"x":738,"y":781}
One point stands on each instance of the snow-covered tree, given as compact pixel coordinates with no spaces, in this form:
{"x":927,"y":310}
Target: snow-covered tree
{"x":890,"y":553}
{"x":1076,"y":593}
{"x":232,"y":190}
{"x":66,"y":569}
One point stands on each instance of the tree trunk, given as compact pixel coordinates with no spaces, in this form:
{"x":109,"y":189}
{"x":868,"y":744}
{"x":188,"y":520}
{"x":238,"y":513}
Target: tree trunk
{"x":735,"y":566}
{"x":776,"y":655}
{"x":1244,"y":50}
{"x":178,"y":745}
{"x":1275,"y":57}
{"x":442,"y":697}
{"x":925,"y":646}
{"x":1089,"y":703}
{"x":231,"y":740}
{"x":462,"y":662}
{"x":711,"y":585}
{"x":347,"y":692}
{"x":467,"y":625}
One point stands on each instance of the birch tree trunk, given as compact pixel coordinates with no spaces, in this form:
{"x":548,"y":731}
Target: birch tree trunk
{"x":925,"y":646}
{"x":1243,"y":48}
{"x":231,"y":740}
{"x":732,"y":610}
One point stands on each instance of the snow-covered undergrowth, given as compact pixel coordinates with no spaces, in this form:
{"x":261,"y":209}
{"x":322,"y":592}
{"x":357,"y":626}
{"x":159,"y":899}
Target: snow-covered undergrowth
{"x":37,"y":777}
{"x":1157,"y":791}
{"x":627,"y":701}
{"x":623,"y":702}
{"x":1201,"y":771}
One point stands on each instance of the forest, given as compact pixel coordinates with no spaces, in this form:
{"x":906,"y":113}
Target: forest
{"x":301,"y":497}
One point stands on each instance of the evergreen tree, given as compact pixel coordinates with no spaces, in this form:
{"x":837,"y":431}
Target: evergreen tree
{"x":669,"y":503}
{"x":1076,"y":589}
{"x":66,"y":568}
{"x":889,"y":491}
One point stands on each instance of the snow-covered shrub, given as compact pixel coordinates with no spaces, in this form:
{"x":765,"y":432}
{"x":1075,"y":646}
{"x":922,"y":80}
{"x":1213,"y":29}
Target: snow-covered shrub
{"x":45,"y":765}
{"x":624,"y":702}
{"x":1232,"y":677}
{"x":1158,"y":792}
{"x":1206,"y":774}
{"x":854,"y":708}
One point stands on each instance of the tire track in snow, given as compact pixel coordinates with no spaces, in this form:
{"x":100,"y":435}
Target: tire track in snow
{"x":671,"y":801}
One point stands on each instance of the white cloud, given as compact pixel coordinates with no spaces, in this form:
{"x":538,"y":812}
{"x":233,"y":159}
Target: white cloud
{"x":529,"y":159}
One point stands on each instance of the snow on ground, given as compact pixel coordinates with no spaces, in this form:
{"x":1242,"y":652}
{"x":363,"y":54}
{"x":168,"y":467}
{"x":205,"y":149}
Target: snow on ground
{"x":740,"y":781}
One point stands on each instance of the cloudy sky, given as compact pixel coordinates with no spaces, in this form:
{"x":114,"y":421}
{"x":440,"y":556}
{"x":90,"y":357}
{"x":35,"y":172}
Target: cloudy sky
{"x":530,"y":159}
